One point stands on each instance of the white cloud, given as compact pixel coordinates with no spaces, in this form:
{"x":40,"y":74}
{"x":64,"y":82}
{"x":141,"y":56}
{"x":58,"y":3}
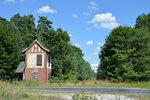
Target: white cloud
{"x":105,"y":20}
{"x":94,"y":65}
{"x":9,"y":1}
{"x":100,"y":43}
{"x":89,"y":43}
{"x":46,"y":9}
{"x":77,"y":45}
{"x":95,"y":53}
{"x":12,"y":1}
{"x":97,"y":48}
{"x":93,"y":3}
{"x":70,"y":35}
{"x":75,"y":16}
{"x":92,"y":7}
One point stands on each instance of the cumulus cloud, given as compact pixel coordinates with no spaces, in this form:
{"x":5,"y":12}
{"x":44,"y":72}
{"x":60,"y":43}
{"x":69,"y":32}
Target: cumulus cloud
{"x":106,"y":20}
{"x":75,"y":16}
{"x":9,"y":1}
{"x":46,"y":9}
{"x":89,"y":43}
{"x":94,"y":65}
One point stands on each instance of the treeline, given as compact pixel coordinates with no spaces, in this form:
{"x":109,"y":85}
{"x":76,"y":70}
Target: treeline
{"x":21,"y":31}
{"x":125,"y":55}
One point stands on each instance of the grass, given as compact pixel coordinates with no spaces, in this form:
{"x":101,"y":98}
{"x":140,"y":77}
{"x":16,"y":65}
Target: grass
{"x":7,"y":91}
{"x":88,"y":83}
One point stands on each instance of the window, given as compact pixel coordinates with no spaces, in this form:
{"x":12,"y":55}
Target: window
{"x":49,"y":60}
{"x":39,"y":60}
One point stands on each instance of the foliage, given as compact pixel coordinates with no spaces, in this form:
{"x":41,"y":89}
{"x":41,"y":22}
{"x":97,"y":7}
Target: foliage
{"x":27,"y":28}
{"x":143,"y":21}
{"x":68,"y":62}
{"x":21,"y":31}
{"x":9,"y":55}
{"x":126,"y":54}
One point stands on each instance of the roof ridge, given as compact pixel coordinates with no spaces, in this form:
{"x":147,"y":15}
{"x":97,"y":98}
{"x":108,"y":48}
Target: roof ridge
{"x":40,"y":44}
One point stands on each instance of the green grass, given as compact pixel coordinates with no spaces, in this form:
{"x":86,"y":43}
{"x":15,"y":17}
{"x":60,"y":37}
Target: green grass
{"x":89,"y":83}
{"x":7,"y":91}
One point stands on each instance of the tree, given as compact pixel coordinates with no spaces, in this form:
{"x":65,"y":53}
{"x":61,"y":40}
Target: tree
{"x":26,"y":26}
{"x":3,"y":21}
{"x":9,"y":56}
{"x":143,"y":21}
{"x":125,"y":55}
{"x":44,"y":24}
{"x":21,"y":31}
{"x":68,"y":62}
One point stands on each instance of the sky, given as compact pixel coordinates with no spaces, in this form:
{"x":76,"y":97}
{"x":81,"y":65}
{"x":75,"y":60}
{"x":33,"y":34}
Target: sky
{"x":88,"y":22}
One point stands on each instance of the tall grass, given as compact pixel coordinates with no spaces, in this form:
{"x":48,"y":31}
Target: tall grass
{"x":7,"y":92}
{"x":82,"y":96}
{"x":88,"y":83}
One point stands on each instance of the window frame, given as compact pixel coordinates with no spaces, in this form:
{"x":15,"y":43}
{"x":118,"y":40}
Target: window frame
{"x":39,"y":59}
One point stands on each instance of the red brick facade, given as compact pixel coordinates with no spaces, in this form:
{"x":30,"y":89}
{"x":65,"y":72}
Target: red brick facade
{"x":32,"y":71}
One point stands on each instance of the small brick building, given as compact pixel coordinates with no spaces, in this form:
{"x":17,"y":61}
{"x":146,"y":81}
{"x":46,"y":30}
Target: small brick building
{"x":36,"y":64}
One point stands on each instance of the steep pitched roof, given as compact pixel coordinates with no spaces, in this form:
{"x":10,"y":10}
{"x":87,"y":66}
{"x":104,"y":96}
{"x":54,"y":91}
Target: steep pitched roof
{"x":21,"y":67}
{"x":40,"y":44}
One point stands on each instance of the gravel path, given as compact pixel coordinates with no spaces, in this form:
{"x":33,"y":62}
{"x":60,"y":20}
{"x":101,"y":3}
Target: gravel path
{"x":135,"y":91}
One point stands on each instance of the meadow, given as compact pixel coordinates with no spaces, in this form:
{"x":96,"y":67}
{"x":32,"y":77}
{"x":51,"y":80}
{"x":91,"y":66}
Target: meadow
{"x":88,"y":83}
{"x":8,"y":90}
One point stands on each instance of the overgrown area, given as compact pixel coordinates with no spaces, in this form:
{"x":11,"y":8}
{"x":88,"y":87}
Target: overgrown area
{"x":86,"y":83}
{"x":126,"y":54}
{"x":21,"y":31}
{"x":9,"y":91}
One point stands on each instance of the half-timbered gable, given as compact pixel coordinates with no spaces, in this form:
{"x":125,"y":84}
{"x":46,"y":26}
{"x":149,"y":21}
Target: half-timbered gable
{"x":37,"y":62}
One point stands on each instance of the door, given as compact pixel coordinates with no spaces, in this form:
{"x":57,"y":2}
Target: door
{"x":35,"y":74}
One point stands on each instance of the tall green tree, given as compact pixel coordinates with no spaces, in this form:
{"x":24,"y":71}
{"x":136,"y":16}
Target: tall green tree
{"x":26,"y":26}
{"x":44,"y":24}
{"x":143,"y":21}
{"x":9,"y":56}
{"x":125,"y":55}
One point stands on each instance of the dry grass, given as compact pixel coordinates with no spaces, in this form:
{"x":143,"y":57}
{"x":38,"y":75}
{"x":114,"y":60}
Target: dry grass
{"x":88,"y":83}
{"x":7,"y":92}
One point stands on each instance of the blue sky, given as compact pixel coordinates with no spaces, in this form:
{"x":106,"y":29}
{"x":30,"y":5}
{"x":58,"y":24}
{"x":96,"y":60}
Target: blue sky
{"x":87,"y":21}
